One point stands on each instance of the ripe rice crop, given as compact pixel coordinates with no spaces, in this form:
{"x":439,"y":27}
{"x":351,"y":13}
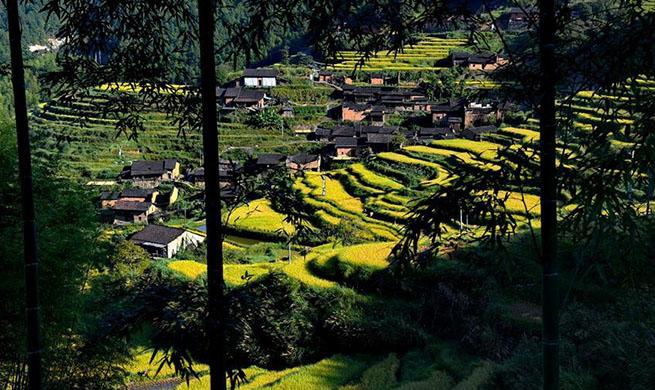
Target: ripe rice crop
{"x":525,"y":134}
{"x":372,"y":255}
{"x":465,"y":145}
{"x":334,"y":192}
{"x":235,"y":274}
{"x":258,"y":216}
{"x":401,"y":158}
{"x":373,"y":179}
{"x":192,"y":269}
{"x":326,"y":374}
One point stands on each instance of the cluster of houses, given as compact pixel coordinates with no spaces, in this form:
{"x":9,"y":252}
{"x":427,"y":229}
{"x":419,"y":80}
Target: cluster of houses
{"x":353,"y":140}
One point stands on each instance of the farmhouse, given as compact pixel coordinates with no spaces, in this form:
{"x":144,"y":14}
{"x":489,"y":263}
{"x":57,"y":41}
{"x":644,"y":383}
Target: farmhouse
{"x":304,"y":162}
{"x":287,"y":112}
{"x":241,"y":98}
{"x":227,"y":171}
{"x":379,"y":142}
{"x":164,"y":241}
{"x":432,"y":133}
{"x":150,"y":173}
{"x":268,"y":160}
{"x":520,"y":18}
{"x":377,"y":79}
{"x":109,"y":199}
{"x":477,"y":133}
{"x":130,"y":211}
{"x":259,"y":78}
{"x":477,"y":61}
{"x":443,"y":111}
{"x":325,"y":76}
{"x":354,"y":112}
{"x":349,"y":146}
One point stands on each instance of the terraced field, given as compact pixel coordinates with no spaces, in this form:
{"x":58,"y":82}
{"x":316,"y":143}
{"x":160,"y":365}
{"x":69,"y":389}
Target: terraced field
{"x":365,"y":372}
{"x":86,"y":145}
{"x":421,"y":56}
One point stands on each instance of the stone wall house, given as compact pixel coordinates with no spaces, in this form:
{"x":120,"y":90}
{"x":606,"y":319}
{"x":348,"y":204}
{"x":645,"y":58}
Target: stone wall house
{"x":348,"y":146}
{"x":164,"y":241}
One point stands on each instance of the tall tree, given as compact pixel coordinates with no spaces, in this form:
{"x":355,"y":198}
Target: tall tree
{"x":206,"y":9}
{"x":33,"y":309}
{"x":548,"y":170}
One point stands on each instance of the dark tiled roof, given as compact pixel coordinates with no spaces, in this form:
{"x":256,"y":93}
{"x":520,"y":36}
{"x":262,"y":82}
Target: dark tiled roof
{"x":144,"y":168}
{"x":157,"y":234}
{"x":130,"y":205}
{"x":376,"y":75}
{"x":373,"y":138}
{"x":249,"y":96}
{"x":348,"y":142}
{"x":324,"y":72}
{"x":343,"y":131}
{"x":137,"y":193}
{"x":321,"y":132}
{"x":270,"y":159}
{"x":303,"y":158}
{"x":240,"y":95}
{"x":427,"y":131}
{"x":262,"y":72}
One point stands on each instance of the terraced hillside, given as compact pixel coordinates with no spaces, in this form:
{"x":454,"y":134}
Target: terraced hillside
{"x":419,"y":57}
{"x":86,"y":144}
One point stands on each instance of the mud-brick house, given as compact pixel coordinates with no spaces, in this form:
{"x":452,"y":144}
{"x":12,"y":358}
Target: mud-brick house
{"x":164,"y":241}
{"x":377,"y":79}
{"x":260,"y":78}
{"x":151,"y":173}
{"x":478,"y":114}
{"x":349,"y":146}
{"x":432,"y":133}
{"x":109,"y":199}
{"x":379,"y":142}
{"x":270,"y":160}
{"x":304,"y":162}
{"x":325,"y":76}
{"x":241,"y":98}
{"x":478,"y":133}
{"x":520,"y":18}
{"x":354,"y":112}
{"x":130,"y":211}
{"x":443,"y":111}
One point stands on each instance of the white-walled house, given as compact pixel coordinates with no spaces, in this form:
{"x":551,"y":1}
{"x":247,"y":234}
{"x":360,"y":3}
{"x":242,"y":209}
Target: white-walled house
{"x":260,"y":78}
{"x":164,"y":241}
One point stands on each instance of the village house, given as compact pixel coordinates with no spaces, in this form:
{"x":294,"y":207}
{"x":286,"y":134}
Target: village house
{"x":164,"y":241}
{"x":349,"y":146}
{"x":260,"y":78}
{"x":520,"y":18}
{"x":287,"y":112}
{"x":477,"y":114}
{"x":325,"y":76}
{"x":304,"y":162}
{"x":476,"y":61}
{"x":241,"y":98}
{"x":477,"y":133}
{"x":443,"y":111}
{"x":150,"y":173}
{"x":379,"y":142}
{"x":377,"y":79}
{"x":227,"y":171}
{"x":354,"y":112}
{"x":108,"y":199}
{"x":269,"y":160}
{"x":130,"y":211}
{"x":432,"y":133}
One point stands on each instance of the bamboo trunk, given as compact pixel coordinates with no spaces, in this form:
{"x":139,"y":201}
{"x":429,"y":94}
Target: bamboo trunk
{"x":33,"y":309}
{"x":550,"y":289}
{"x":216,"y":309}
